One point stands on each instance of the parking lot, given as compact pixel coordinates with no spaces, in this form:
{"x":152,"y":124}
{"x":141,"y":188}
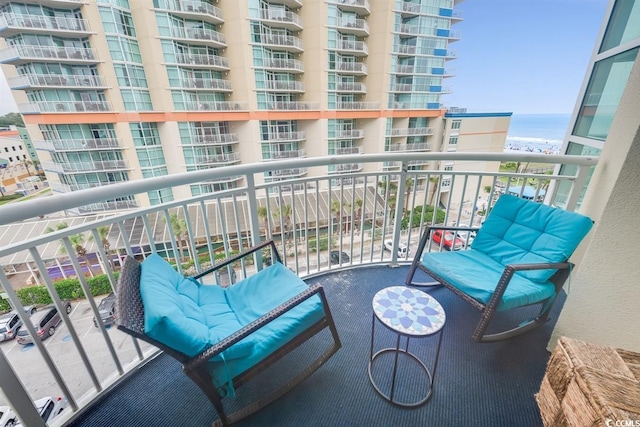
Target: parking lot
{"x":34,"y":373}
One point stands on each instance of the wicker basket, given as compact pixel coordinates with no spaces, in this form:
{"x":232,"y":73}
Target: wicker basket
{"x":566,"y":400}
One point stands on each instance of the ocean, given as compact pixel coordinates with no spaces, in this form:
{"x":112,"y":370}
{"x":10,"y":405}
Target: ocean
{"x":538,"y":133}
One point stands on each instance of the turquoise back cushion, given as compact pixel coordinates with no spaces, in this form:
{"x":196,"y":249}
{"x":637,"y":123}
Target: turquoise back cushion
{"x":519,"y":231}
{"x":185,"y":315}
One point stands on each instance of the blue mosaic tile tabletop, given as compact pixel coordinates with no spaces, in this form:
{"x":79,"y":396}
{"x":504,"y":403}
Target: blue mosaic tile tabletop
{"x":408,"y":311}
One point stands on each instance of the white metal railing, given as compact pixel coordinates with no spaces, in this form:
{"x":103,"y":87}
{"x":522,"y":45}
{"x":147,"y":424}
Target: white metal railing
{"x":282,"y":41}
{"x":86,"y":166}
{"x":278,"y":15}
{"x":293,"y":105}
{"x":53,"y":23}
{"x":351,"y":87}
{"x":347,"y":133}
{"x":358,"y":25}
{"x":287,"y":86}
{"x":196,"y":59}
{"x":191,"y":6}
{"x":284,"y":136}
{"x":355,"y":67}
{"x":353,"y":105}
{"x":421,"y":131}
{"x":201,"y":34}
{"x":64,"y":106}
{"x":212,"y":139}
{"x":284,"y":64}
{"x":305,"y":215}
{"x":77,"y":144}
{"x":216,"y":106}
{"x":47,"y":53}
{"x":352,"y":46}
{"x":48,"y":80}
{"x":209,"y":84}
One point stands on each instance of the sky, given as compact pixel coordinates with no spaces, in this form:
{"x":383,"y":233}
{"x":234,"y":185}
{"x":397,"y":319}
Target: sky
{"x":519,"y":56}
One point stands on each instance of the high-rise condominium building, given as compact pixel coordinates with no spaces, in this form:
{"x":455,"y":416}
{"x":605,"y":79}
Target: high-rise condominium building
{"x":118,"y":90}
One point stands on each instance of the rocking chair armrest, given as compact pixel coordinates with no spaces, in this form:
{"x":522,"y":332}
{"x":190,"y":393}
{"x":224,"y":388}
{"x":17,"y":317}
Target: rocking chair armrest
{"x":238,"y":257}
{"x":508,"y":273}
{"x":202,"y":358}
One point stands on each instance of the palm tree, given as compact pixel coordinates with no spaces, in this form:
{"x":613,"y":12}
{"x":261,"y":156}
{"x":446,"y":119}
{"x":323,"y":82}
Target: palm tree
{"x":359,"y":220}
{"x":179,"y":228}
{"x":409,"y":184}
{"x":263,"y":213}
{"x":286,"y":212}
{"x":77,"y":240}
{"x":335,"y":211}
{"x":26,"y":164}
{"x":103,"y":232}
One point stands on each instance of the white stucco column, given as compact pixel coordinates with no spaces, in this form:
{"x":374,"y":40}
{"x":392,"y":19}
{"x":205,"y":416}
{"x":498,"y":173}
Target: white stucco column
{"x":603,"y":305}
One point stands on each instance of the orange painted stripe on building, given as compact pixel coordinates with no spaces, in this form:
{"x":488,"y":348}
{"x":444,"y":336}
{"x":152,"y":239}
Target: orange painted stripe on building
{"x":232,"y":116}
{"x":9,"y":133}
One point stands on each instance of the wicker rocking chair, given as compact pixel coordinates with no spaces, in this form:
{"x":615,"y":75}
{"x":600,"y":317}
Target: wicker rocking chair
{"x":275,"y":313}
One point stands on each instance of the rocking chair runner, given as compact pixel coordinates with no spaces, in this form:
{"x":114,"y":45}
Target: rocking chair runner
{"x":224,"y":336}
{"x":519,"y":257}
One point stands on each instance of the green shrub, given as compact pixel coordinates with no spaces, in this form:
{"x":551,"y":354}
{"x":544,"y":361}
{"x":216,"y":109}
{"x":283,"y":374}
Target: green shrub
{"x":417,"y":217}
{"x":321,"y":244}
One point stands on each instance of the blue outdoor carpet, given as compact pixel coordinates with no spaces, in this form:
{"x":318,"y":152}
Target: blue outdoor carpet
{"x":475,"y":384}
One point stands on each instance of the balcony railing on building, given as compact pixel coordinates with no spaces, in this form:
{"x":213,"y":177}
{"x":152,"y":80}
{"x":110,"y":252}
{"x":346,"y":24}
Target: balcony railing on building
{"x":288,"y":43}
{"x":202,"y":61}
{"x":351,"y":87}
{"x":219,"y":85}
{"x":293,"y":105}
{"x":204,"y":36}
{"x":352,"y":105}
{"x":361,"y":7}
{"x":404,"y":49}
{"x":343,"y":151}
{"x":212,"y":139}
{"x":351,"y":67}
{"x":285,"y":154}
{"x":62,"y":26}
{"x":65,"y":107}
{"x":61,"y":145}
{"x":232,"y":216}
{"x":422,"y":146}
{"x":216,"y":106}
{"x":347,"y":134}
{"x":20,"y":54}
{"x":356,"y":48}
{"x":55,"y":80}
{"x":217,"y":159}
{"x":285,"y":86}
{"x":189,"y":9}
{"x":86,"y":166}
{"x":284,"y":136}
{"x":290,"y":65}
{"x":400,"y":132}
{"x":281,"y":19}
{"x":359,"y":27}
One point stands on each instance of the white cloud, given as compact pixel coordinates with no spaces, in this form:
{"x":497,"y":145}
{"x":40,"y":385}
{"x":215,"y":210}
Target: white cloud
{"x":7,"y":104}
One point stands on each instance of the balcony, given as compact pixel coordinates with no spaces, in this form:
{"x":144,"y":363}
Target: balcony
{"x":401,"y":132}
{"x":212,"y":139}
{"x":351,"y":87}
{"x":347,"y":134}
{"x":64,"y":145}
{"x":281,"y":19}
{"x":420,"y":147}
{"x":289,"y":65}
{"x":353,"y":105}
{"x":216,"y":106}
{"x":282,"y":42}
{"x":283,"y":86}
{"x":361,"y":7}
{"x":12,"y":24}
{"x":284,"y":137}
{"x":202,"y":36}
{"x":218,"y":159}
{"x":293,"y":105}
{"x":356,"y":68}
{"x":61,"y":4}
{"x":285,"y":154}
{"x":359,"y":27}
{"x":95,"y":368}
{"x":88,"y":166}
{"x":65,"y":107}
{"x":193,"y":60}
{"x":193,"y":10}
{"x":37,"y":81}
{"x":22,"y":54}
{"x":293,"y":4}
{"x":351,"y":47}
{"x":217,"y":85}
{"x":343,"y":151}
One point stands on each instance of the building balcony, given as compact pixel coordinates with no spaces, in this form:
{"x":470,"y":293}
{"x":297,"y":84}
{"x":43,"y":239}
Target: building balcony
{"x":65,"y":107}
{"x":347,"y":134}
{"x":361,"y":7}
{"x":38,"y":81}
{"x":354,"y":87}
{"x":22,"y":54}
{"x":285,"y":154}
{"x":13,"y":23}
{"x":410,"y":147}
{"x":193,"y":10}
{"x":201,"y":36}
{"x":218,"y":159}
{"x":59,"y":187}
{"x":404,"y":50}
{"x":289,"y":65}
{"x":217,"y":85}
{"x":346,"y":168}
{"x":202,"y":61}
{"x":284,"y":137}
{"x":359,"y":27}
{"x":353,"y":105}
{"x":293,"y":105}
{"x":281,"y":42}
{"x":212,"y":139}
{"x":343,"y":151}
{"x":283,"y":86}
{"x":402,"y":132}
{"x":60,"y":4}
{"x":64,"y":145}
{"x":281,"y":19}
{"x":94,"y":368}
{"x":293,"y":4}
{"x":349,"y":47}
{"x":86,"y":166}
{"x":356,"y":68}
{"x":216,"y":106}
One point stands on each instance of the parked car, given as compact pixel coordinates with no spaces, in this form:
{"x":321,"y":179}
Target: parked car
{"x":338,"y":257}
{"x":7,"y":417}
{"x":403,"y":250}
{"x":107,"y":309}
{"x":466,"y":236}
{"x":10,"y":324}
{"x":49,"y":407}
{"x":450,"y":242}
{"x":44,"y":322}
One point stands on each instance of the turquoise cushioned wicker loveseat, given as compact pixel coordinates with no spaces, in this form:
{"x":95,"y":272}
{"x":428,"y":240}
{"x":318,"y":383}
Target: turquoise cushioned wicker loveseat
{"x":519,"y":257}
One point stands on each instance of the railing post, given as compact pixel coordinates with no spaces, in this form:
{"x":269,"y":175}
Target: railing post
{"x":577,"y":187}
{"x":254,"y":221}
{"x":397,"y":220}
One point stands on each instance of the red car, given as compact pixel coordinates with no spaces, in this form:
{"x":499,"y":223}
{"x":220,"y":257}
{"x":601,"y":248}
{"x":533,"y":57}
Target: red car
{"x":451,"y":241}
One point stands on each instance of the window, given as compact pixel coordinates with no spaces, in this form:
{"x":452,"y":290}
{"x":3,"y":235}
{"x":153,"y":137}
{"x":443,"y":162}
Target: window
{"x":453,"y":140}
{"x":455,"y":124}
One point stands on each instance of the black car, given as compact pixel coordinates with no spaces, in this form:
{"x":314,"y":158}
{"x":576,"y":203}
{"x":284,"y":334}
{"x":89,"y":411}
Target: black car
{"x":107,"y":309}
{"x":338,"y":257}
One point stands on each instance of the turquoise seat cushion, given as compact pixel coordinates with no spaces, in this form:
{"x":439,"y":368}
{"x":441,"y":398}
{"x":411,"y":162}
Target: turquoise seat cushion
{"x":255,"y":296}
{"x":185,"y":315}
{"x":519,"y":231}
{"x":477,"y":275}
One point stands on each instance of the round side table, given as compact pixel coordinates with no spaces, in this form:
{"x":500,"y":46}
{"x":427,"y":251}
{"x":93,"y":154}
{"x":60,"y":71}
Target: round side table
{"x":409,"y":313}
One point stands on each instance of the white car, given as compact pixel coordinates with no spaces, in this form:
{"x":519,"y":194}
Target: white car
{"x":7,"y":417}
{"x":464,"y":235}
{"x":403,"y":250}
{"x":49,"y":407}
